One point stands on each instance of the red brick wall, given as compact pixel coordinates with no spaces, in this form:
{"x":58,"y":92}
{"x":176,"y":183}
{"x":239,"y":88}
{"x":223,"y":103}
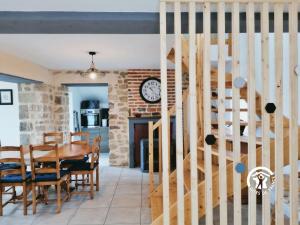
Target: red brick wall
{"x":135,"y":102}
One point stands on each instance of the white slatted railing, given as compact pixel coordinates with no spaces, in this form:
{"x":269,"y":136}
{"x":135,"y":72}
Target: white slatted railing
{"x":229,"y":179}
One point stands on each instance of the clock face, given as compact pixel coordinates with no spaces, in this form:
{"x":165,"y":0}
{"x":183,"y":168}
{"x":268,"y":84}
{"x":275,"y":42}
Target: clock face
{"x":150,"y":90}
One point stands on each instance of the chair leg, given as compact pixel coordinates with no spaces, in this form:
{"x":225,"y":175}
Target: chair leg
{"x":24,"y":199}
{"x":68,"y":181}
{"x":1,"y":207}
{"x":97,"y":179}
{"x":58,"y":197}
{"x":83,"y":181}
{"x":92,"y":186}
{"x":76,"y":181}
{"x":34,"y":199}
{"x":14,"y":194}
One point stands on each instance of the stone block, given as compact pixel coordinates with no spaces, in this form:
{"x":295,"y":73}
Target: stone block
{"x":58,"y":100}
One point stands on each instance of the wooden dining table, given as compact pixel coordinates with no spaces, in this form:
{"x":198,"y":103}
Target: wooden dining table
{"x":71,"y":151}
{"x":68,"y":152}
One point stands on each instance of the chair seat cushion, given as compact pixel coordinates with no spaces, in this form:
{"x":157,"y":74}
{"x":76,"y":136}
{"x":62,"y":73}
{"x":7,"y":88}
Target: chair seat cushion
{"x":68,"y":163}
{"x":83,"y":167}
{"x":50,"y":176}
{"x":8,"y":166}
{"x":15,"y":178}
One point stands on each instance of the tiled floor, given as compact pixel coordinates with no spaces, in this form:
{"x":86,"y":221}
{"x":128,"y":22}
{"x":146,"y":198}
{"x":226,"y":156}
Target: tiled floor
{"x":122,"y":200}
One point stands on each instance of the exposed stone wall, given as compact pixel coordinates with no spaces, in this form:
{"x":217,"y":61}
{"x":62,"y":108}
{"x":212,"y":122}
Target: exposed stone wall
{"x":118,"y":121}
{"x":43,"y":108}
{"x":118,"y":109}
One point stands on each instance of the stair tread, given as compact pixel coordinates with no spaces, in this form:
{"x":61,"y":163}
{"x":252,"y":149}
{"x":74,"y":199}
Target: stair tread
{"x":229,"y":110}
{"x":242,"y":123}
{"x":229,"y":154}
{"x":201,"y":166}
{"x":243,"y":139}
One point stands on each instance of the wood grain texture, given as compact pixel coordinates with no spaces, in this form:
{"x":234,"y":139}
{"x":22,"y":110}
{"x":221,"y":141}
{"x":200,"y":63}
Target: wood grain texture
{"x":266,"y":219}
{"x":221,"y":118}
{"x":278,"y":11}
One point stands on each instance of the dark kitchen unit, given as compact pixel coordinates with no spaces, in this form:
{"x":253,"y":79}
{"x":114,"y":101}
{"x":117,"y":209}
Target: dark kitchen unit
{"x":95,"y":121}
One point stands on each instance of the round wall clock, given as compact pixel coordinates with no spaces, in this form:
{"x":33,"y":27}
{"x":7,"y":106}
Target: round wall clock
{"x":150,"y":90}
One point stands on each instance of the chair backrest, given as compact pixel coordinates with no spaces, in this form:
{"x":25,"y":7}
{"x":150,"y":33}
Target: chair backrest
{"x":44,"y":164}
{"x":84,"y":138}
{"x":95,"y":151}
{"x":53,"y":138}
{"x":13,"y":150}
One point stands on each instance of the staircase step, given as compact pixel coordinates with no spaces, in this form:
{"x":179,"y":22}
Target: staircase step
{"x":216,"y":98}
{"x":201,"y":166}
{"x":242,"y":123}
{"x":156,"y":206}
{"x":229,"y":110}
{"x":214,"y":95}
{"x":244,"y":139}
{"x":229,"y":154}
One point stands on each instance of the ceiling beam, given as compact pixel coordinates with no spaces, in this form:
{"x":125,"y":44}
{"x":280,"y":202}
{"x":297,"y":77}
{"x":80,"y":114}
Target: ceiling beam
{"x":110,"y":22}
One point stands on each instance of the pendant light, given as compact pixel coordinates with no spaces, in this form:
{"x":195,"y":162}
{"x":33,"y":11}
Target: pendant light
{"x":92,"y":72}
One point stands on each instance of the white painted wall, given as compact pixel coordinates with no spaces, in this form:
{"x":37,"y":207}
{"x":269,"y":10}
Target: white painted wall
{"x":9,"y":118}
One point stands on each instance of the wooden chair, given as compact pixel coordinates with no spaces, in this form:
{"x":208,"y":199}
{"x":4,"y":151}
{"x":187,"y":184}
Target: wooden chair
{"x":88,"y":168}
{"x":84,"y":138}
{"x":53,"y":138}
{"x":78,"y":138}
{"x":13,"y":173}
{"x":46,"y":175}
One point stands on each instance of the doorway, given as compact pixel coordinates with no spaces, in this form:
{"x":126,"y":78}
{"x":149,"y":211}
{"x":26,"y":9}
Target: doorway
{"x":89,"y":111}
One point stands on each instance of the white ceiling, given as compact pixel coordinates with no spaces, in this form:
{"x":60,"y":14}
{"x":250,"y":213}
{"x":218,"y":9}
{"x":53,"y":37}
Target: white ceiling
{"x":81,"y":5}
{"x":70,"y":51}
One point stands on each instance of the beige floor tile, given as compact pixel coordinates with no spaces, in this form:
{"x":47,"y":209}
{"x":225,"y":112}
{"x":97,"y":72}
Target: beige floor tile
{"x":126,"y":201}
{"x":146,"y":215}
{"x":123,"y":216}
{"x":97,"y":202}
{"x":61,"y":218}
{"x":128,"y":189}
{"x":130,"y":180}
{"x":145,"y":201}
{"x":16,"y":218}
{"x":89,"y":216}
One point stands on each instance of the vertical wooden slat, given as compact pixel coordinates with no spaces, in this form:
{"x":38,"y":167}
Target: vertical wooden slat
{"x":151,"y":177}
{"x":185,"y":127}
{"x":164,"y":114}
{"x":193,"y":113}
{"x":278,"y":11}
{"x":207,"y":114}
{"x":293,"y":125}
{"x":251,"y":109}
{"x":160,"y":153}
{"x":221,"y":113}
{"x":200,"y":87}
{"x":236,"y":113}
{"x":179,"y":126}
{"x":266,"y":216}
{"x":169,"y":137}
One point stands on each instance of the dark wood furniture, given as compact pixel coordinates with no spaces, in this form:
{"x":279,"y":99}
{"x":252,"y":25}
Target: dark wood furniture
{"x":45,"y":175}
{"x":52,"y":138}
{"x":13,"y":173}
{"x":88,"y":168}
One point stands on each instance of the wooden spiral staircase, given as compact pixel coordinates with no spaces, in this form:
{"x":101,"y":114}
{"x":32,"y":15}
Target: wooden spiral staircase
{"x":156,"y":194}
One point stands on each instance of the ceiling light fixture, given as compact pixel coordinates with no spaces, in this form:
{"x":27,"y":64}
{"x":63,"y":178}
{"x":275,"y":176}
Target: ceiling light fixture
{"x":92,"y":72}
